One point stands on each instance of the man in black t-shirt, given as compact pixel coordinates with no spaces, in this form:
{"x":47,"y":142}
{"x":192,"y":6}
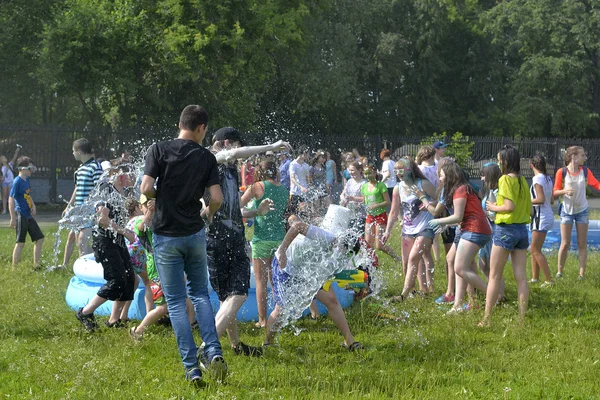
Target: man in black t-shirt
{"x":182,"y":169}
{"x":228,"y":262}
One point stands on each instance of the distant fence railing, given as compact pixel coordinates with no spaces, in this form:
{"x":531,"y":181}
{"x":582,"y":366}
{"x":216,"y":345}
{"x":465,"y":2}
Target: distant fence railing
{"x":51,"y":147}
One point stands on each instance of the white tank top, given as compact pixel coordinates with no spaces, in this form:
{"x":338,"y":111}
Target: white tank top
{"x":578,"y":201}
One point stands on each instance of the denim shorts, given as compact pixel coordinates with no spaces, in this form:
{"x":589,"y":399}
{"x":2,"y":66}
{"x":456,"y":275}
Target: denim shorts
{"x":579,"y":218}
{"x":486,"y":250}
{"x":479,"y":239}
{"x":428,"y":233}
{"x":511,"y":236}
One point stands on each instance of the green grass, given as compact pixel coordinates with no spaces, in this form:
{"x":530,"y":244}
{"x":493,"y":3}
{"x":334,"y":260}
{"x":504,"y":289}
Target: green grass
{"x":45,"y":353}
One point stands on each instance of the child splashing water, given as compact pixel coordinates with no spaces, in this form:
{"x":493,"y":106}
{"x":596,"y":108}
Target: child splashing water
{"x":319,"y":249}
{"x":417,"y":236}
{"x":512,"y":209}
{"x":377,"y":199}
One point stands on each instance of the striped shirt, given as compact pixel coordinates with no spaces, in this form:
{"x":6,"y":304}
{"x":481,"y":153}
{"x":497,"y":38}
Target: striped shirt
{"x":86,"y":177}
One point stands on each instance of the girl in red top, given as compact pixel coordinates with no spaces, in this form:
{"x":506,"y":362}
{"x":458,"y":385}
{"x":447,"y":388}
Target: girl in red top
{"x":474,"y":233}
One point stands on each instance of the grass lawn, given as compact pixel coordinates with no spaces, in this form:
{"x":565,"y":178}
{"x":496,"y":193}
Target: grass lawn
{"x":414,"y":351}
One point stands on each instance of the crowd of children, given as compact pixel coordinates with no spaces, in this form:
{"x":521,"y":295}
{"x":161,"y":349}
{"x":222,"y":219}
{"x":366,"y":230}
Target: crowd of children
{"x":173,"y":242}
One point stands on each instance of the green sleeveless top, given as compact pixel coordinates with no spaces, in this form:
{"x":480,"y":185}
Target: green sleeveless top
{"x":271,"y":227}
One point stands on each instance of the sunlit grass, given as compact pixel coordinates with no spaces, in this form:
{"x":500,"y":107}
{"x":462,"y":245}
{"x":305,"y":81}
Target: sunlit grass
{"x":412,"y":350}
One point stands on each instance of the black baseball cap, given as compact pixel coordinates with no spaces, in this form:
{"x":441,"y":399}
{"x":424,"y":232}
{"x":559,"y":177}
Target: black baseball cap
{"x":228,"y":133}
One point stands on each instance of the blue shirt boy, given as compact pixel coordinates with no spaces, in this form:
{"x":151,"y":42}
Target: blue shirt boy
{"x":21,"y":192}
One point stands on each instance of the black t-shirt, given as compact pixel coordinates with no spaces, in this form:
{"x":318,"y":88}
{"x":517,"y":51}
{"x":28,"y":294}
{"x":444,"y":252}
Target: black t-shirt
{"x":183,"y":170}
{"x":230,"y":208}
{"x":108,"y":196}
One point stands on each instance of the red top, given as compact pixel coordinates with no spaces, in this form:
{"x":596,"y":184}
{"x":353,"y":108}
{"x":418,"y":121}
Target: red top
{"x":474,"y":219}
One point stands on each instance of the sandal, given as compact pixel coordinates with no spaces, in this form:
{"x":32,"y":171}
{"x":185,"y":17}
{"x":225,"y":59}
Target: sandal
{"x":397,"y":299}
{"x":134,"y":335}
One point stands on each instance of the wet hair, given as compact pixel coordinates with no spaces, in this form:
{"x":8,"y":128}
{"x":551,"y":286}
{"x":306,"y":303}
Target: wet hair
{"x":510,"y":160}
{"x":24,"y":161}
{"x":455,"y":177}
{"x":131,"y":205}
{"x":385,"y":153}
{"x":571,"y":151}
{"x":539,"y":163}
{"x":350,"y":240}
{"x":319,"y":153}
{"x":83,"y":145}
{"x":192,"y":117}
{"x":357,"y":166}
{"x":413,"y":168}
{"x":372,"y":170}
{"x":425,"y":153}
{"x":266,"y":169}
{"x":491,"y":174}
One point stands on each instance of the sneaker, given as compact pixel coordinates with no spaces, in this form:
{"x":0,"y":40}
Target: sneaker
{"x":356,"y":346}
{"x":137,"y":337}
{"x":246,"y":350}
{"x":117,"y":324}
{"x":534,"y":280}
{"x":454,"y":311}
{"x":581,"y":278}
{"x":547,"y":284}
{"x":443,"y":299}
{"x":194,"y":375}
{"x":87,"y":320}
{"x":218,"y":368}
{"x":559,"y":275}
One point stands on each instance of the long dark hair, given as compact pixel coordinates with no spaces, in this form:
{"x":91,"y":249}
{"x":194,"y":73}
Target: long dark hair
{"x":491,"y":174}
{"x":454,"y":178}
{"x":510,"y":160}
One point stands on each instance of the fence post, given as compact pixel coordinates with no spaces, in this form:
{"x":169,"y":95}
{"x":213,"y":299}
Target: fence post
{"x":54,"y":165}
{"x":556,"y":155}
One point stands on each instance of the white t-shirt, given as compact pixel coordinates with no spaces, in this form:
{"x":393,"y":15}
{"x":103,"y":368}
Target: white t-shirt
{"x":430,"y":172}
{"x":543,"y":210}
{"x":300,"y":173}
{"x":388,"y":165}
{"x":7,"y":173}
{"x":312,"y":248}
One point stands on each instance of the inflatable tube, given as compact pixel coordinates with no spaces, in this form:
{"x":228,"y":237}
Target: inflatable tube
{"x":553,"y":238}
{"x":89,"y":278}
{"x":80,"y":292}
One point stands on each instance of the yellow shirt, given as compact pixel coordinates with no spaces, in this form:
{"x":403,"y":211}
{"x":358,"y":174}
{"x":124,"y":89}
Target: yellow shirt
{"x":516,"y":190}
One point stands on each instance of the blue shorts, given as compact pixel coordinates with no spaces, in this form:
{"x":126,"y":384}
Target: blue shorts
{"x":579,"y":218}
{"x":486,"y":251}
{"x":479,"y":239}
{"x":511,"y":236}
{"x":7,"y":184}
{"x":428,"y":233}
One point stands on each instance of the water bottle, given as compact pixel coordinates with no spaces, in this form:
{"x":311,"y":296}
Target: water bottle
{"x":492,"y":199}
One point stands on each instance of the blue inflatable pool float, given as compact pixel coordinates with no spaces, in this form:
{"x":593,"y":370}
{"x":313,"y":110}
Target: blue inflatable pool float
{"x":553,"y":237}
{"x":89,"y":278}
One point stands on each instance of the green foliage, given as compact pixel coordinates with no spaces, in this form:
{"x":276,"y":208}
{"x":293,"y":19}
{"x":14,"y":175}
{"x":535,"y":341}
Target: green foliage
{"x":460,"y":147}
{"x":348,"y":67}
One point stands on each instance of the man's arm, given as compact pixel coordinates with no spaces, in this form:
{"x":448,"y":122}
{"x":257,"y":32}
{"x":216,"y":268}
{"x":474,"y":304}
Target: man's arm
{"x":226,"y":156}
{"x":296,"y":229}
{"x":147,"y":187}
{"x":15,"y":156}
{"x":216,"y":199}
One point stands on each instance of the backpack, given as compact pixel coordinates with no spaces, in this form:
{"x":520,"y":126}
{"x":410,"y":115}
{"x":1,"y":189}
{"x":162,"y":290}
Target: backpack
{"x":564,"y":175}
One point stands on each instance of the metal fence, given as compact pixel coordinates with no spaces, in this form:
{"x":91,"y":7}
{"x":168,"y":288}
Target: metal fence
{"x":51,"y":147}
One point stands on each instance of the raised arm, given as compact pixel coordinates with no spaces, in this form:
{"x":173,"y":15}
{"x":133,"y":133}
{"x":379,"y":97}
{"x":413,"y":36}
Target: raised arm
{"x":226,"y":156}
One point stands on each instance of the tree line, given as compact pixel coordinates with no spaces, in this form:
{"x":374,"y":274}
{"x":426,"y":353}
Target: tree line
{"x":524,"y":68}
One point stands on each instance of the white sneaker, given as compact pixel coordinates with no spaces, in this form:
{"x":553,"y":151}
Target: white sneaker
{"x":534,"y":281}
{"x":547,"y":284}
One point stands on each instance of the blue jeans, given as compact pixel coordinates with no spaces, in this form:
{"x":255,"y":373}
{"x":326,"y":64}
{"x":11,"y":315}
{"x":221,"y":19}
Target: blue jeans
{"x":175,"y":256}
